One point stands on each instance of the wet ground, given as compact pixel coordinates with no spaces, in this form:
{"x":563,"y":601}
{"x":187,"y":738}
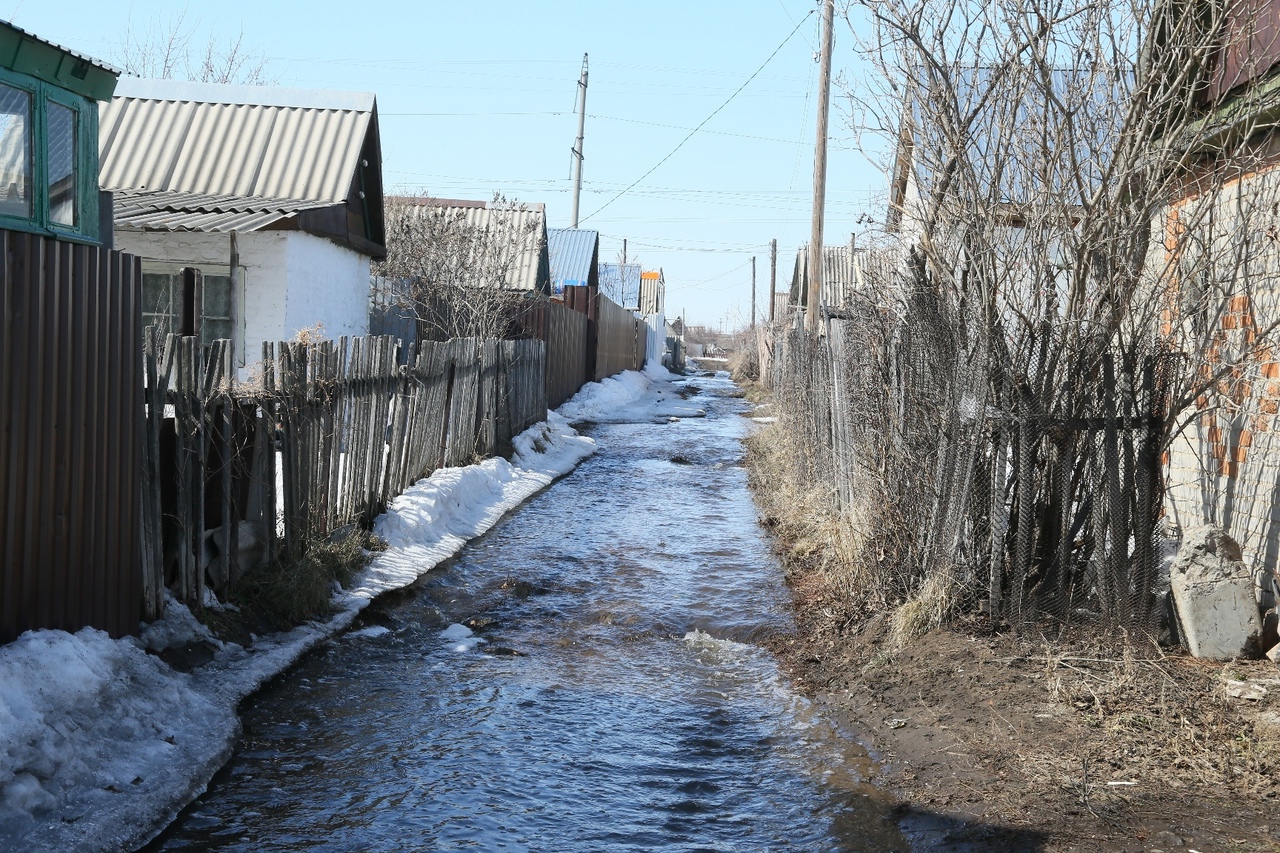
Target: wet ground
{"x":614,"y":694}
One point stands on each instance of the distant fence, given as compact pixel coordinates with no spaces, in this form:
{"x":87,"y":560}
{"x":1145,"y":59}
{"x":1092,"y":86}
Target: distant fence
{"x":333,"y":430}
{"x":622,"y":340}
{"x":567,"y":334}
{"x":70,"y":436}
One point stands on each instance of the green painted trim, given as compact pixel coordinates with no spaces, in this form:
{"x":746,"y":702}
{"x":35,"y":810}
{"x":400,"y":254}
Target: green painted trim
{"x":86,"y":110}
{"x":1237,"y":117}
{"x":79,"y":75}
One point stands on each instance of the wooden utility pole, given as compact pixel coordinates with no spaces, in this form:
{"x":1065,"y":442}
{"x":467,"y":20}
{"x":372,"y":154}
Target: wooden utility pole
{"x":577,"y":148}
{"x":753,"y":291}
{"x":814,"y":301}
{"x":773,"y":276}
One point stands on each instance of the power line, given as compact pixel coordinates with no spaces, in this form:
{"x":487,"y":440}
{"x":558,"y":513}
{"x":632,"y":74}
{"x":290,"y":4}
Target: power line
{"x":705,"y":120}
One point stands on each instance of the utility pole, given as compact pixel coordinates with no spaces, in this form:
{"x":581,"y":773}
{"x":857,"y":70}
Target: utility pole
{"x":753,"y":291}
{"x":624,"y":251}
{"x":773,"y":276}
{"x":577,"y":148}
{"x":814,"y":301}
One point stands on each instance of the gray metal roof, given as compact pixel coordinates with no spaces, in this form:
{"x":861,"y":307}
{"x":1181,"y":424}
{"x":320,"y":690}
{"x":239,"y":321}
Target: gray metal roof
{"x":841,"y":275}
{"x":244,"y":141}
{"x":621,"y":283}
{"x":525,"y":225}
{"x":173,"y":211}
{"x":572,"y":252}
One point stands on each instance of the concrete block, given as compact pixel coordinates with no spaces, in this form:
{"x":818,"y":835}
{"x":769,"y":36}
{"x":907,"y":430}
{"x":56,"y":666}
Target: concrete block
{"x":1214,"y":594}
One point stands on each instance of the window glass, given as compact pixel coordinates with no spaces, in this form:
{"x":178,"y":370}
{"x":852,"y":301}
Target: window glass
{"x":158,"y":307}
{"x":215,"y":316}
{"x":15,"y":152}
{"x":62,"y":164}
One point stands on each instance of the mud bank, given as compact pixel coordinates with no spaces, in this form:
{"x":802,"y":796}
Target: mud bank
{"x":1001,"y":742}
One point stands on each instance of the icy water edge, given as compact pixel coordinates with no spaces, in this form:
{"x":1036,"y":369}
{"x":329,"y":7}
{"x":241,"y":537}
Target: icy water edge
{"x":615,"y":697}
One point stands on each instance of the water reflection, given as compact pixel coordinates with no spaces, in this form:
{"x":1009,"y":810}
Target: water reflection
{"x":612,"y":697}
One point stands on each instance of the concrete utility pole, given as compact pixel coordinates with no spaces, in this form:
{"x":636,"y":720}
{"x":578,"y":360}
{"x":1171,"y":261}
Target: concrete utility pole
{"x":753,"y":291}
{"x":773,"y":276}
{"x":814,"y":301}
{"x":577,"y":148}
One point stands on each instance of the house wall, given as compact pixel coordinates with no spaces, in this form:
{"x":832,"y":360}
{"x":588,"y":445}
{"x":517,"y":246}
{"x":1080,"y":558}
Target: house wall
{"x":327,"y":284}
{"x":289,"y":280}
{"x":1220,"y":249}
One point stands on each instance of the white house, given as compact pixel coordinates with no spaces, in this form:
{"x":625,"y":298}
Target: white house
{"x":275,"y":195}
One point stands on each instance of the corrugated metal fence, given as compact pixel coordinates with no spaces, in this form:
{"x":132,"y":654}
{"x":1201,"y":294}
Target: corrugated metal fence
{"x":622,"y":339}
{"x":70,"y":438}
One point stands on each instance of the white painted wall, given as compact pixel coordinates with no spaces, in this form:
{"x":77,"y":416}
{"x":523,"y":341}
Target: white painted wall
{"x":327,"y":284}
{"x":289,"y":280}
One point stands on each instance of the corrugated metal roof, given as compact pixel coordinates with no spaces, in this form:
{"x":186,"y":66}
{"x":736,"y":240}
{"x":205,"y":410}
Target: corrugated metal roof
{"x":248,"y":141}
{"x":524,"y":225}
{"x":840,"y":275}
{"x":621,"y":283}
{"x":163,"y":211}
{"x":572,"y":252}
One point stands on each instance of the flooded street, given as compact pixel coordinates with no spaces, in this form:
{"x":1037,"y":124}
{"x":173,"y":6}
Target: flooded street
{"x":614,"y":695}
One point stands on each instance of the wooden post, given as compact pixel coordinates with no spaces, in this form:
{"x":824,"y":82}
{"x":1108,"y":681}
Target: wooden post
{"x":813,"y":304}
{"x":753,"y":291}
{"x":773,"y":276}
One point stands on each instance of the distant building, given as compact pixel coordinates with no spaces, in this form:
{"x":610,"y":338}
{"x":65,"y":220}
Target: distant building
{"x":575,"y":257}
{"x":275,"y":195}
{"x":620,"y":283}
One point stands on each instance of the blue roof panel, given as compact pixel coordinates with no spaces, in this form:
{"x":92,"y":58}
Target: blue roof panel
{"x":572,"y":251}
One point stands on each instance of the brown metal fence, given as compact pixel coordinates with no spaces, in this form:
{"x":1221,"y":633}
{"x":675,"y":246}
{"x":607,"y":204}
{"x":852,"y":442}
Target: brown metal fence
{"x":70,"y":437}
{"x":621,"y":339}
{"x":566,"y":333}
{"x":240,"y":474}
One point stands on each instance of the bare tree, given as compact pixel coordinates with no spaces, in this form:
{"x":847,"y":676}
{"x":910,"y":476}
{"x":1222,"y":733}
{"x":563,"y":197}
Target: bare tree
{"x":169,"y":48}
{"x":1090,"y":258}
{"x":456,"y":269}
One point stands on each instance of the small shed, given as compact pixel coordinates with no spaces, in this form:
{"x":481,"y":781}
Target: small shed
{"x":574,"y":255}
{"x":621,"y":284}
{"x":274,"y":194}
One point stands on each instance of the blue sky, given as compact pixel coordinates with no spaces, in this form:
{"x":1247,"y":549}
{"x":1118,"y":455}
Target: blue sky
{"x":479,"y":97}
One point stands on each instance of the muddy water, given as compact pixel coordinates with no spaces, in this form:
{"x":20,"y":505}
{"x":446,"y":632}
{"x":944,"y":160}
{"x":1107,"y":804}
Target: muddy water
{"x":620,"y":699}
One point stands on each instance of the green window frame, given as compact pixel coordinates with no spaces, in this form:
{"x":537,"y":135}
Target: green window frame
{"x":79,"y":188}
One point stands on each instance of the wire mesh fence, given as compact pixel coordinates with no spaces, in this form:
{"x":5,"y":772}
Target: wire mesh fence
{"x":956,"y":464}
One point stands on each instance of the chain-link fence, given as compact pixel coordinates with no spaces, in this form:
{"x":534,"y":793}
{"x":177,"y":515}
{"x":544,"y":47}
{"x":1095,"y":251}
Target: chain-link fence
{"x":1032,"y":486}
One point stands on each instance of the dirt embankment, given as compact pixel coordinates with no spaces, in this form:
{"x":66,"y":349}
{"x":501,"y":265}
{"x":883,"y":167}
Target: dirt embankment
{"x":1003,"y":742}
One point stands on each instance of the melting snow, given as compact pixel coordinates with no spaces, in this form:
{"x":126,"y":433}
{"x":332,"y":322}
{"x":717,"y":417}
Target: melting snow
{"x":101,"y":743}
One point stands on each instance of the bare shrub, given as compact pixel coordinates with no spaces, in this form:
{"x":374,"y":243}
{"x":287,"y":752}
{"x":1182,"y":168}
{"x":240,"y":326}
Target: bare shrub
{"x":456,"y":273}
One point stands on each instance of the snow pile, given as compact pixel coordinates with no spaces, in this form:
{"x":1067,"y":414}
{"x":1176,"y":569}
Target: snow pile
{"x":89,"y":725}
{"x":630,"y":398}
{"x":101,"y":743}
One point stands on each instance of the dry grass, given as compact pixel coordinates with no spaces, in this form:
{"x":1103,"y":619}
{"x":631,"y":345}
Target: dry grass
{"x":837,"y":543}
{"x":1162,"y":722}
{"x":288,"y":593}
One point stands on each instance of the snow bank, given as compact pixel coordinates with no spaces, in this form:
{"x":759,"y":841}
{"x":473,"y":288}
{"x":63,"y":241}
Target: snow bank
{"x":624,"y":399}
{"x":102,"y":744}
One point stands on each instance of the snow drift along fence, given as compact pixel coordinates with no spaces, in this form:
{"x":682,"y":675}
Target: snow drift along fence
{"x":70,"y":435}
{"x":242,"y":473}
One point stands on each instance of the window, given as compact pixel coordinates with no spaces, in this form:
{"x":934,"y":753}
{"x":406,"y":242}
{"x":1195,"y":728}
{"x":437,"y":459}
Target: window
{"x":48,"y":158}
{"x":15,"y":152}
{"x":162,"y":303}
{"x":61,"y":139}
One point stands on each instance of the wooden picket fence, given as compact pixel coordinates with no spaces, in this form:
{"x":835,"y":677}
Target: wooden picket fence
{"x":326,"y":436}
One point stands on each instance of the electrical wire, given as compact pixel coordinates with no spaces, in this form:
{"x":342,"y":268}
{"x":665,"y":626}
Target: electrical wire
{"x":704,"y":121}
